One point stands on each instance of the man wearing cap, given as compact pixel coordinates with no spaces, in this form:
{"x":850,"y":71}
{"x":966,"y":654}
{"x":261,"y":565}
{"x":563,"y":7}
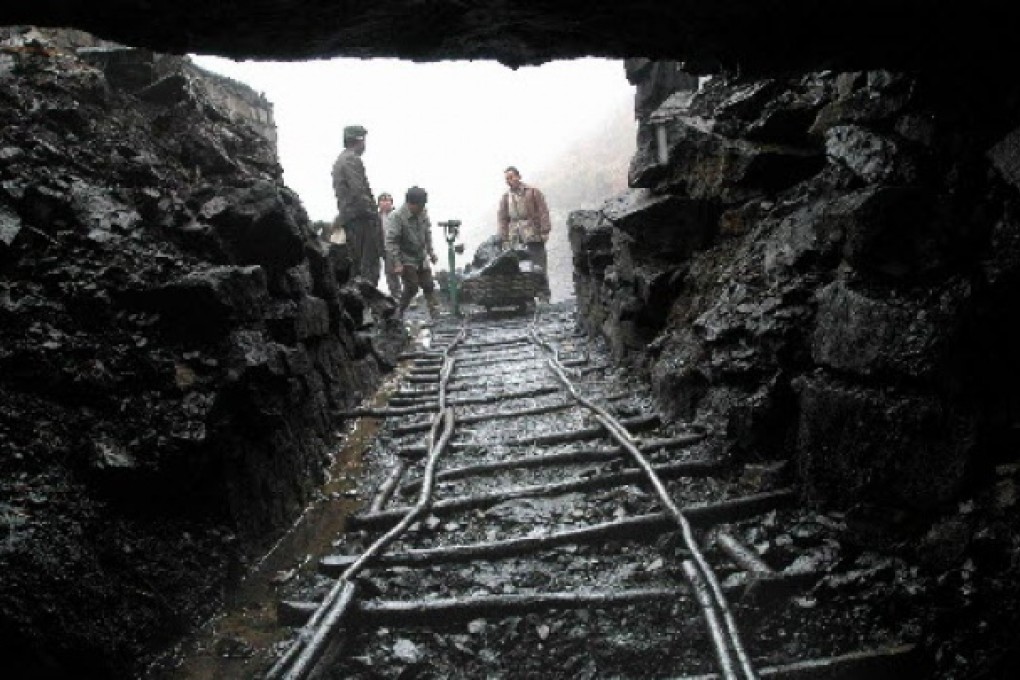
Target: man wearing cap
{"x":409,"y":247}
{"x":523,"y":217}
{"x":356,"y":207}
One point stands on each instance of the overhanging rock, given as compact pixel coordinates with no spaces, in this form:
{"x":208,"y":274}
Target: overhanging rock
{"x":749,"y":37}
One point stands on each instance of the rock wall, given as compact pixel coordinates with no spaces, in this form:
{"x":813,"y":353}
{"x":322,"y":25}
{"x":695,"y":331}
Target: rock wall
{"x":822,"y":269}
{"x":173,"y":343}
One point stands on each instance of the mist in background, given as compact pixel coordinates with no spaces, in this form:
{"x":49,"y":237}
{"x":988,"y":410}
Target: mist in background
{"x":452,"y":128}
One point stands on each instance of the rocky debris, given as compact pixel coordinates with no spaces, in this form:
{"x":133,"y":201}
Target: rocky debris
{"x":174,"y":342}
{"x":627,"y":248}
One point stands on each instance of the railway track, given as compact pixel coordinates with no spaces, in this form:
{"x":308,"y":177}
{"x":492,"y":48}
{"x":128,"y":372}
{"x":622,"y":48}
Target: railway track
{"x":533,"y":517}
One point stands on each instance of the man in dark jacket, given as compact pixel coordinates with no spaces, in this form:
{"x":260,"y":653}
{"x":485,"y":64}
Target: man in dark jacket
{"x":356,"y":207}
{"x":409,"y":247}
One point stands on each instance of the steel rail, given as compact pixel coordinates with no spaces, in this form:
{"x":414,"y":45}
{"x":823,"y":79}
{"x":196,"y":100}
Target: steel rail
{"x":704,"y":598}
{"x":388,"y":487}
{"x":730,"y":658}
{"x":301,"y":658}
{"x":625,"y":439}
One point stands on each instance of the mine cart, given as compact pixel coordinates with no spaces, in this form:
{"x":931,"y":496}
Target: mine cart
{"x":498,"y":278}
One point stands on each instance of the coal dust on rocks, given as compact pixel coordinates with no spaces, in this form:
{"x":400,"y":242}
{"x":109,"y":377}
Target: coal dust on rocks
{"x":174,"y":342}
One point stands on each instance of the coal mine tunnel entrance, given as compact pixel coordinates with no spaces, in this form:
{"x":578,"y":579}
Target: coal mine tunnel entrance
{"x":754,"y":416}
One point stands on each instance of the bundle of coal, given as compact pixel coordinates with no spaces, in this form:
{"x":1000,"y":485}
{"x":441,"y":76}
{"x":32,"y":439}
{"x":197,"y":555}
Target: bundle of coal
{"x":501,"y":277}
{"x":490,"y":259}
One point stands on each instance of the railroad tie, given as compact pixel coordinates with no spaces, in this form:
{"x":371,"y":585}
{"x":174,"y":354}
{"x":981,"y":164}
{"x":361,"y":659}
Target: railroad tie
{"x":547,"y":439}
{"x":629,"y":527}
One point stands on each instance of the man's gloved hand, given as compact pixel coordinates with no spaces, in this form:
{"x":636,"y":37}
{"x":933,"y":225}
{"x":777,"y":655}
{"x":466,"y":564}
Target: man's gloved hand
{"x":433,"y":258}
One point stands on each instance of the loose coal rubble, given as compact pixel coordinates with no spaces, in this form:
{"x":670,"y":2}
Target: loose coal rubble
{"x":173,"y":342}
{"x":824,"y":267}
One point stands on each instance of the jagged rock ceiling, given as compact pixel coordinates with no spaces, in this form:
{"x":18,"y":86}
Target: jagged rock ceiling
{"x":749,"y":36}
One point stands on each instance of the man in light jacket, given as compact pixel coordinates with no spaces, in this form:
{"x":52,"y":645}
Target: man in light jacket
{"x":523,"y":217}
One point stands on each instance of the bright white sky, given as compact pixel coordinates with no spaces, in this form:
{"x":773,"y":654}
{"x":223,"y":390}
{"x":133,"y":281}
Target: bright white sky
{"x":449,"y":127}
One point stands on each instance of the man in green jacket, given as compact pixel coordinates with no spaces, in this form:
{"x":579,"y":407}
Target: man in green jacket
{"x":356,"y":206}
{"x":409,"y":247}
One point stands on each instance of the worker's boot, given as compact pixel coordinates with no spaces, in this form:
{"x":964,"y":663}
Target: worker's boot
{"x":433,"y":303}
{"x":405,"y":301}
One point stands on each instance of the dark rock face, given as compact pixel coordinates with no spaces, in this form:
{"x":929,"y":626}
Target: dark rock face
{"x":737,"y":35}
{"x":810,"y":268}
{"x":881,"y":446}
{"x":173,"y":343}
{"x":825,"y":268}
{"x":667,"y":224}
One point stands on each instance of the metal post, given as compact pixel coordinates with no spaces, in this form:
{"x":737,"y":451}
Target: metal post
{"x":451,"y":229}
{"x":661,"y":143}
{"x":453,"y":278}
